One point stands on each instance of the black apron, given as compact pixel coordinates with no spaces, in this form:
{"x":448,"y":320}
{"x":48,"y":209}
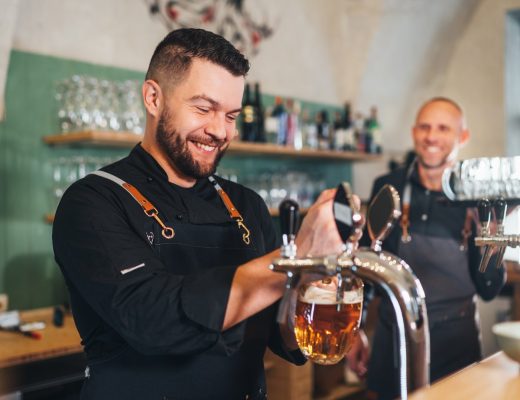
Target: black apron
{"x":207,"y":376}
{"x":442,"y":268}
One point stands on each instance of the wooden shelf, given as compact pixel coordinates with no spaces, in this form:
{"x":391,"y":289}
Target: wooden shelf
{"x":94,"y":138}
{"x":127,"y":139}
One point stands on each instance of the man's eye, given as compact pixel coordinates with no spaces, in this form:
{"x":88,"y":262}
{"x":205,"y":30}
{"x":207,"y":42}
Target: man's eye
{"x":203,"y":110}
{"x":444,"y":128}
{"x":424,"y":127}
{"x":231,"y":118}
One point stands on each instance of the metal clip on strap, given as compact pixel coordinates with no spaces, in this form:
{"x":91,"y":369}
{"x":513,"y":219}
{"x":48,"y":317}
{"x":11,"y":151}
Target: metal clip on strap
{"x":233,"y":212}
{"x":148,"y":207}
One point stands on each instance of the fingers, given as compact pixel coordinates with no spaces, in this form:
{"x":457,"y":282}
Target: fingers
{"x":325,"y":196}
{"x":357,"y":201}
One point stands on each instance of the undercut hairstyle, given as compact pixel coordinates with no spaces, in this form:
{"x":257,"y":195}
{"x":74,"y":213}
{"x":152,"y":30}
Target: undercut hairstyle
{"x":445,"y":100}
{"x":173,"y":56}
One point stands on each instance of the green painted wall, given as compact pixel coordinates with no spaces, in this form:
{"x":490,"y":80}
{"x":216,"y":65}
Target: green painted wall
{"x":28,"y":273}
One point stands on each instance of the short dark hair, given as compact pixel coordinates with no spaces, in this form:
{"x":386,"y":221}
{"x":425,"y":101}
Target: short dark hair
{"x":173,"y":56}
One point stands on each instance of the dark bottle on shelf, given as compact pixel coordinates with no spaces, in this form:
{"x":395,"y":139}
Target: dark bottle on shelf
{"x":373,"y":141}
{"x":339,"y":132}
{"x":260,"y":115}
{"x":249,"y":117}
{"x":323,"y":126}
{"x":349,"y":143}
{"x":280,"y":113}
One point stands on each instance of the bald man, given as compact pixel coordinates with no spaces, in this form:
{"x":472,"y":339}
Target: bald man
{"x":438,"y":243}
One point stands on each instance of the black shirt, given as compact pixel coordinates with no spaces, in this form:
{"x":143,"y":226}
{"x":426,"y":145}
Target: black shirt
{"x":149,"y":309}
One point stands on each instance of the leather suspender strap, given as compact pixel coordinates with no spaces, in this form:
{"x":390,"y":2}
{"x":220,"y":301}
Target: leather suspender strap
{"x":405,"y":206}
{"x":148,"y":207}
{"x":466,"y":231}
{"x":233,"y":212}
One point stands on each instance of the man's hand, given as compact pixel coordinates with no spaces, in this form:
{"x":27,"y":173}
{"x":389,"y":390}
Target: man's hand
{"x":357,"y":357}
{"x":318,"y":234}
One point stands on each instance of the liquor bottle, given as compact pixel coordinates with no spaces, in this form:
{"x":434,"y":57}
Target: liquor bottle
{"x":359,"y":132}
{"x":292,"y":122}
{"x":280,"y":113}
{"x":260,"y":115}
{"x":249,"y":120}
{"x":373,"y":143}
{"x":297,"y":123}
{"x":309,"y":131}
{"x":322,"y":123}
{"x":339,"y":132}
{"x":349,"y":143}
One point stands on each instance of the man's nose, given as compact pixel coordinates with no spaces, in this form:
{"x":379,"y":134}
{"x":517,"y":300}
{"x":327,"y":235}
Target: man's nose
{"x":432,"y":134}
{"x":217,"y":127}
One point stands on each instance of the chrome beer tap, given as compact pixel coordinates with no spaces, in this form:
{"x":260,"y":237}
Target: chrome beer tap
{"x":380,"y":268}
{"x":499,"y":240}
{"x":484,"y":216}
{"x":487,"y":182}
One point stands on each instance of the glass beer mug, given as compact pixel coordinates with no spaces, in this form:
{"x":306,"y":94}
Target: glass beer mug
{"x":323,"y":299}
{"x":327,"y":317}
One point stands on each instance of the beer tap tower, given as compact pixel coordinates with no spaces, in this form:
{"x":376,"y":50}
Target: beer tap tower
{"x":499,"y":240}
{"x":380,"y":268}
{"x":491,"y":184}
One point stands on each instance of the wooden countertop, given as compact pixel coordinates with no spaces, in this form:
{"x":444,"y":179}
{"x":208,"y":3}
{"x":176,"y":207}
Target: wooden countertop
{"x":16,"y":348}
{"x":494,"y":378}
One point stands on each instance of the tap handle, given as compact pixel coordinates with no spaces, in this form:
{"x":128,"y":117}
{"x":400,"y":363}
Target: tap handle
{"x":346,"y":214}
{"x":484,"y":213}
{"x":289,"y":218}
{"x":500,"y":207}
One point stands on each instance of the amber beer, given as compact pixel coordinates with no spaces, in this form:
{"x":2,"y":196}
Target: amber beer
{"x":324,"y":328}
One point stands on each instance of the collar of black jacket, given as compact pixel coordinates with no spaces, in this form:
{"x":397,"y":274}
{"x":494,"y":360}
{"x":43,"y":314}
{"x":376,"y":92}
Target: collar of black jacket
{"x":201,"y":202}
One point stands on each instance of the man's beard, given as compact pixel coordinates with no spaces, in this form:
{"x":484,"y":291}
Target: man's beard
{"x":179,"y":155}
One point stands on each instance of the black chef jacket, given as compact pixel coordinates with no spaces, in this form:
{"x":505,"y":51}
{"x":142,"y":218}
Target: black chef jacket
{"x":150,"y":310}
{"x":449,"y":288}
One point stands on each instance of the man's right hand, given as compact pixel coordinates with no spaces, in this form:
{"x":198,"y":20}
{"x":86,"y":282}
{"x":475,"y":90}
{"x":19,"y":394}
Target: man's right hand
{"x":358,"y":355}
{"x":318,"y":235}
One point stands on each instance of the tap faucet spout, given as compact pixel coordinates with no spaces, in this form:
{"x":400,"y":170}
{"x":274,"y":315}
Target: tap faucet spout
{"x":406,"y":295}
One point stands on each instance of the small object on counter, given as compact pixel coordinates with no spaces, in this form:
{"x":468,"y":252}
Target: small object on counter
{"x":9,"y":319}
{"x":29,"y":329}
{"x":32,"y":326}
{"x":10,"y":322}
{"x":57,"y":316}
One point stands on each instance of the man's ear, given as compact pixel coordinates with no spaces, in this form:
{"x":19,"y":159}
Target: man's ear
{"x":152,"y":97}
{"x":464,"y":137}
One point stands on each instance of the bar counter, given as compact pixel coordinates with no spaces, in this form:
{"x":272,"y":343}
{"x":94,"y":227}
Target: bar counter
{"x":46,"y":368}
{"x":494,"y":378}
{"x":15,"y":348}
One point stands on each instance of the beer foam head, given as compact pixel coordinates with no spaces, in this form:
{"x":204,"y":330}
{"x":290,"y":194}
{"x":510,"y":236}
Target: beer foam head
{"x":318,"y":295}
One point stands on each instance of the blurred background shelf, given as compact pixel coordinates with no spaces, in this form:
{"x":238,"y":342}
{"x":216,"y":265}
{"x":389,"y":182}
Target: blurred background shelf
{"x":127,"y":139}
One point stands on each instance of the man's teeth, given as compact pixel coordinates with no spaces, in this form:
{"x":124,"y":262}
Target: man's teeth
{"x":432,"y":149}
{"x":205,"y":147}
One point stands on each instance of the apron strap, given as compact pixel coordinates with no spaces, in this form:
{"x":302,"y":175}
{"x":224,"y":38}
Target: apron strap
{"x":466,"y":231}
{"x":148,"y":208}
{"x":233,"y":212}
